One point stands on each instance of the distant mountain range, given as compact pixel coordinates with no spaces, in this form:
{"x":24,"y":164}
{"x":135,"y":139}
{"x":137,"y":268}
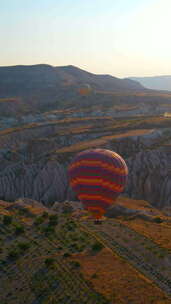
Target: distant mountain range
{"x":155,"y":83}
{"x":27,"y":80}
{"x":23,"y":80}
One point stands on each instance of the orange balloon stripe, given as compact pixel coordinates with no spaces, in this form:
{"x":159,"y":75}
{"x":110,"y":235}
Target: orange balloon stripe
{"x":96,"y":197}
{"x":97,"y":181}
{"x":101,"y":164}
{"x":99,"y":209}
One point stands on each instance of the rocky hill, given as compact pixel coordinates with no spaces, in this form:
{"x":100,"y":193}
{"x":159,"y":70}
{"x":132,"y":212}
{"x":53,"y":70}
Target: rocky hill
{"x":34,"y":90}
{"x":24,"y":80}
{"x":41,"y":88}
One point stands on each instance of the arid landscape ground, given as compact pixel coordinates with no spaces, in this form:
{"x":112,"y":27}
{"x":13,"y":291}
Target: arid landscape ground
{"x":50,"y":257}
{"x":50,"y":250}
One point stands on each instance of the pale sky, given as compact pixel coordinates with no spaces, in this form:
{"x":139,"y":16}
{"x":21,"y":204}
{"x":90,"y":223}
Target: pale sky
{"x":118,"y":37}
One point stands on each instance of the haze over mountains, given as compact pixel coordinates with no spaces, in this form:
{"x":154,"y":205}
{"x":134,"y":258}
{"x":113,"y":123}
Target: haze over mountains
{"x":155,"y":82}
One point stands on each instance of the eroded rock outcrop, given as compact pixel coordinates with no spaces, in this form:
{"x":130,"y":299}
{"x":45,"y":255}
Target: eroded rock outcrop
{"x":33,"y":163}
{"x":45,"y":182}
{"x":150,"y":177}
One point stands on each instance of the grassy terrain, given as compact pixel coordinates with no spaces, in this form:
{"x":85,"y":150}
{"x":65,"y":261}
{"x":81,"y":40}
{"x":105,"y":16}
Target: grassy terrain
{"x":50,"y":258}
{"x":36,"y":262}
{"x":157,"y":228}
{"x":101,"y":141}
{"x":159,"y":233}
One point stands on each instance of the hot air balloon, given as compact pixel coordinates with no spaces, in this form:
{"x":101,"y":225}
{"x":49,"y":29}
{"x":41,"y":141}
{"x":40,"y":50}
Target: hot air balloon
{"x":98,"y":176}
{"x":85,"y":90}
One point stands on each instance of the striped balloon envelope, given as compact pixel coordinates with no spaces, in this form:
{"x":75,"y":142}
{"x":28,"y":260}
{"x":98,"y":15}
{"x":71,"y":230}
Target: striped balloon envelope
{"x":98,"y":176}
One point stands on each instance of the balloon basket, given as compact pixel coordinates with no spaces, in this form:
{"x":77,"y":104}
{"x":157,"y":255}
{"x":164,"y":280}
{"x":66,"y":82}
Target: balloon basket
{"x":97,"y":222}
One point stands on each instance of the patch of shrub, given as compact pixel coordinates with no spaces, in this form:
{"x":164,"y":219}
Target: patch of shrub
{"x":70,"y":226}
{"x":39,"y":220}
{"x":94,"y":276}
{"x":59,"y":248}
{"x":66,"y":255}
{"x":67,"y":209}
{"x":49,"y":262}
{"x":161,"y":255}
{"x":74,"y":246}
{"x":7,"y":219}
{"x":13,"y":254}
{"x":19,"y":229}
{"x":75,"y":264}
{"x":158,"y":220}
{"x":24,"y":211}
{"x":48,"y":230}
{"x":97,"y":247}
{"x":45,"y":214}
{"x":53,"y":220}
{"x":23,"y":246}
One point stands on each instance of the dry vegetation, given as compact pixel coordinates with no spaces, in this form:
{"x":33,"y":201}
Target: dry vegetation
{"x":150,"y":93}
{"x":160,"y":233}
{"x":65,"y":263}
{"x":102,"y":141}
{"x":140,"y":206}
{"x":8,"y":100}
{"x":117,"y":280}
